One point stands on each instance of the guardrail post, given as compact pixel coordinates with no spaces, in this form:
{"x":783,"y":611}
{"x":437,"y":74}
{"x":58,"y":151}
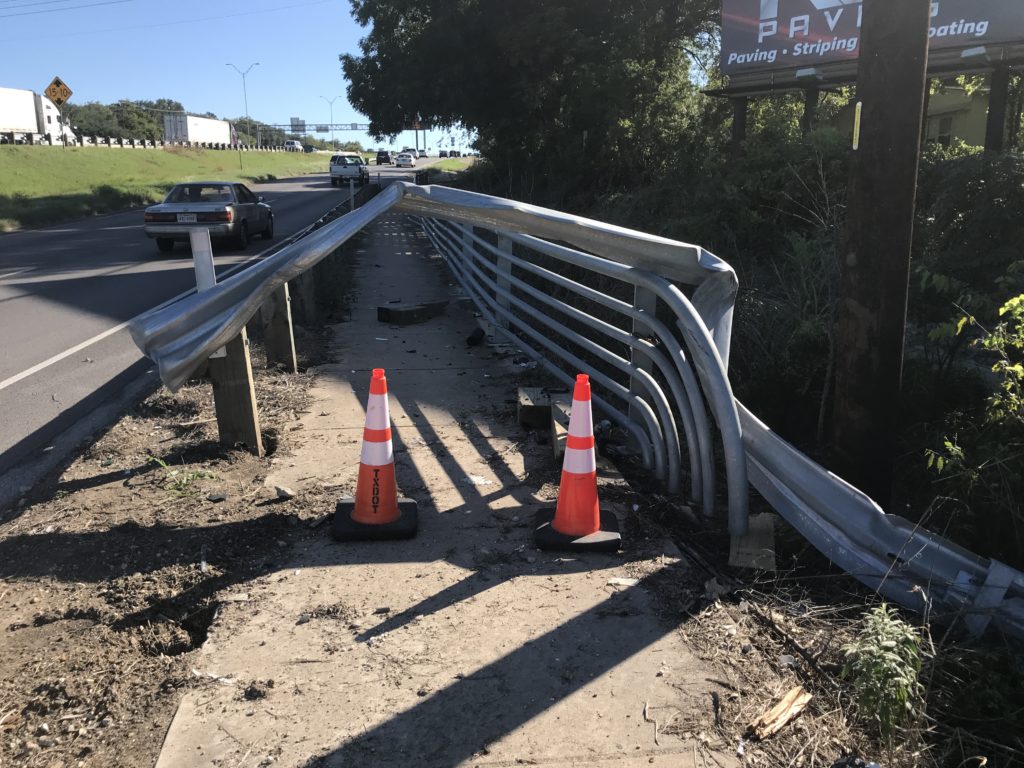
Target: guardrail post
{"x":229,"y":369}
{"x":504,"y":271}
{"x":278,"y":336}
{"x":351,"y":194}
{"x":303,"y":293}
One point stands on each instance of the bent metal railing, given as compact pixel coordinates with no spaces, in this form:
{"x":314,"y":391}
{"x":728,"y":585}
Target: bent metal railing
{"x":658,"y":355}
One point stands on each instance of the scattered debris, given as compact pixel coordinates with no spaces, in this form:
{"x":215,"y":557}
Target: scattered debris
{"x":713,"y":590}
{"x":475,"y":338}
{"x":776,"y":718}
{"x":284,"y":492}
{"x":620,"y":582}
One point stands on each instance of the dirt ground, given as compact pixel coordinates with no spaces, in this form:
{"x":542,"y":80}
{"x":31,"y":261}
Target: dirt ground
{"x":115,"y":571}
{"x":112,"y":573}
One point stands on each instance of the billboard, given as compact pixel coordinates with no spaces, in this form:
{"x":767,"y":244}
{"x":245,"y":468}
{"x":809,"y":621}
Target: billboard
{"x":765,"y":35}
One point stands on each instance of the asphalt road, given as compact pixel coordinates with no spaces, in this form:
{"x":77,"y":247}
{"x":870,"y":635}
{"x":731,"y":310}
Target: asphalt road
{"x":68,"y":365}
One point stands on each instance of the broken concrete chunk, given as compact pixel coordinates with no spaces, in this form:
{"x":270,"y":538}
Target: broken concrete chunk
{"x":410,"y":314}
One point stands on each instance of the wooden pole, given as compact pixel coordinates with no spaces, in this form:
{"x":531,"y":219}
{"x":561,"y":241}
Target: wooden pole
{"x":871,"y":316}
{"x":234,"y":396}
{"x":303,"y":294}
{"x":998,"y":96}
{"x":278,"y":335}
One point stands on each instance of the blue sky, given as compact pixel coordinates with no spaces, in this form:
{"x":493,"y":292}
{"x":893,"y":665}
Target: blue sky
{"x":107,"y":50}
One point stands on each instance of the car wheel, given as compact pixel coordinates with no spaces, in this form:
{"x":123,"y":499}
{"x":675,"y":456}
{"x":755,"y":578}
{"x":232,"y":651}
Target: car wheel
{"x":164,"y":244}
{"x":242,"y":236}
{"x":268,"y":232}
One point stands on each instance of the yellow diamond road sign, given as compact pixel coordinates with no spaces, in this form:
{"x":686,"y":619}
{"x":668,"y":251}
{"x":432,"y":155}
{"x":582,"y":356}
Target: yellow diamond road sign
{"x":58,"y":92}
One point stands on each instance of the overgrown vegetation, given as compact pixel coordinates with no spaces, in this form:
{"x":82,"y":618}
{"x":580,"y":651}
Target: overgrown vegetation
{"x":883,"y":664}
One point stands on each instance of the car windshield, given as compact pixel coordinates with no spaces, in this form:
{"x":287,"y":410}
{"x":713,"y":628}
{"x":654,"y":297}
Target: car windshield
{"x":200,"y":193}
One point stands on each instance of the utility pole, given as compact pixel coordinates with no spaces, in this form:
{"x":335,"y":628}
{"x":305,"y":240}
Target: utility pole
{"x":330,"y":103}
{"x":245,"y":96}
{"x":872,"y":311}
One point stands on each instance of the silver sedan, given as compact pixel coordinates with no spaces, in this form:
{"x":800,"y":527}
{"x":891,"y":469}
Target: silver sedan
{"x":228,"y":210}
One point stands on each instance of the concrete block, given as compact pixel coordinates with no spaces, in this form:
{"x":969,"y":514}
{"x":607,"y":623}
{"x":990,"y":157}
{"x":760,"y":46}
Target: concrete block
{"x":533,"y":407}
{"x":410,"y":314}
{"x":561,"y":406}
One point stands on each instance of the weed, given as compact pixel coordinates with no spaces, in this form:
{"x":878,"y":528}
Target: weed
{"x":883,"y":664}
{"x":179,"y":482}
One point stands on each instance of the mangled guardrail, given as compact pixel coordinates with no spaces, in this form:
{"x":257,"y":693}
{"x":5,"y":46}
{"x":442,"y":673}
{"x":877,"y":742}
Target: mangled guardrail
{"x":901,"y":561}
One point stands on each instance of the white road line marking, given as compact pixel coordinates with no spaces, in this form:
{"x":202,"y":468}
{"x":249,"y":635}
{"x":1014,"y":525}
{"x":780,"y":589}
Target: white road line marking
{"x":111,"y":331}
{"x":15,"y":272}
{"x":79,"y":347}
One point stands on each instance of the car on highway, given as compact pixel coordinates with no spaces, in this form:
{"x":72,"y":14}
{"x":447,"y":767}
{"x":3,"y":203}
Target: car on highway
{"x":422,"y":153}
{"x":405,"y":160}
{"x":348,"y":165}
{"x":443,"y":153}
{"x":383,"y":157}
{"x":230,"y":211}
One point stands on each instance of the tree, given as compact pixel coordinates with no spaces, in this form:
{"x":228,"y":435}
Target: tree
{"x":545,"y":84}
{"x":92,"y":119}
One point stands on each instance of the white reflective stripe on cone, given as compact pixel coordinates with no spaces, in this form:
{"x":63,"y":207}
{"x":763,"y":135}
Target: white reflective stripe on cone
{"x":377,"y":416}
{"x":579,"y":461}
{"x":376,"y":454}
{"x":580,"y":421}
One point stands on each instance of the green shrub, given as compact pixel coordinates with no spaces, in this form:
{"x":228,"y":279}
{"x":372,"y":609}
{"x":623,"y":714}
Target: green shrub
{"x":883,"y":665}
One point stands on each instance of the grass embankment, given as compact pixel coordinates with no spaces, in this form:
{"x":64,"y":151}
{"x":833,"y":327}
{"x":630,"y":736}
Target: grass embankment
{"x":453,"y":164}
{"x":44,"y":185}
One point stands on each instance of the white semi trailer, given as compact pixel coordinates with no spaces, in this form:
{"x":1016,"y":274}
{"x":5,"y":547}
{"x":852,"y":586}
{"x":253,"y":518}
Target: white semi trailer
{"x":27,"y":117}
{"x":196,"y":129}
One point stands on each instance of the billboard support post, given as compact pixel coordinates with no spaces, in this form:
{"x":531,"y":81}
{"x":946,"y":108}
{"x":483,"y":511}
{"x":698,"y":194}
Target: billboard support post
{"x":999,"y":94}
{"x":872,"y":308}
{"x":810,"y":110}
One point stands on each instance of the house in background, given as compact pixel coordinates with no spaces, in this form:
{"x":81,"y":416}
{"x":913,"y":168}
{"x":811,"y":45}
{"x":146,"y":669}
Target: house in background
{"x":953,"y":114}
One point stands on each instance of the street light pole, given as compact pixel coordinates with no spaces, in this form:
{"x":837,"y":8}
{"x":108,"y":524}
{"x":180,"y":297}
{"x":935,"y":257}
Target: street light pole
{"x":245,"y":94}
{"x":330,"y":103}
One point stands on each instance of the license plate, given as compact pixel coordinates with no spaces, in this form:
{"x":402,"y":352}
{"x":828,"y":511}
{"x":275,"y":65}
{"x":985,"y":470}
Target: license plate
{"x":186,"y":218}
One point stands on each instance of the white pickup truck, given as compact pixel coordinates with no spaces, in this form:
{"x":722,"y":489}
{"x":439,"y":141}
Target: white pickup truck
{"x":349,"y":166}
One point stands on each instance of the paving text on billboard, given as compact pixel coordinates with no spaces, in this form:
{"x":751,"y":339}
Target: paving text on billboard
{"x":826,"y":30}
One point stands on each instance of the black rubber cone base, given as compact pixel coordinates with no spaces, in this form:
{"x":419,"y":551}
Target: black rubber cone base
{"x":607,"y":539}
{"x":344,"y":528}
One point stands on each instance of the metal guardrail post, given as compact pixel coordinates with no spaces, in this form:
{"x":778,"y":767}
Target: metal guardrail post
{"x":278,"y":335}
{"x":229,"y":369}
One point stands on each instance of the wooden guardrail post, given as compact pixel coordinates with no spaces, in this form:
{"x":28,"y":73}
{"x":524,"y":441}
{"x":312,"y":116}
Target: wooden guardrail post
{"x":303,"y":294}
{"x":230,"y":368}
{"x":278,"y":335}
{"x":234,"y":396}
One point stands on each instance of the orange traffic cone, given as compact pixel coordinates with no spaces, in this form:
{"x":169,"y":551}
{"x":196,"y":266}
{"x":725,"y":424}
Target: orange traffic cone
{"x":376,"y":512}
{"x":578,"y":522}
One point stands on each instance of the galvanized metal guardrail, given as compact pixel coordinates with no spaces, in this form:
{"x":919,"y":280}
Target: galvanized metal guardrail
{"x":660,"y":367}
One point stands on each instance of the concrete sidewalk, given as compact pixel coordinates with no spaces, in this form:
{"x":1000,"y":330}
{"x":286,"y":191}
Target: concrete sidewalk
{"x":464,"y":646}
